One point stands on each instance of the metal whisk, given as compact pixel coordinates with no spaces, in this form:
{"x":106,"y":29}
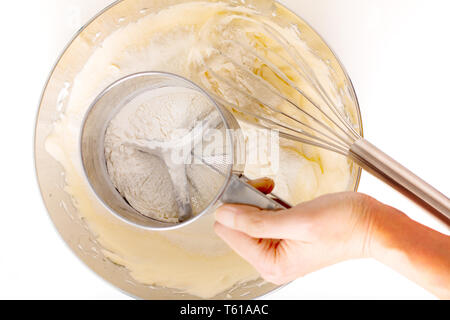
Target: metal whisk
{"x":323,"y":124}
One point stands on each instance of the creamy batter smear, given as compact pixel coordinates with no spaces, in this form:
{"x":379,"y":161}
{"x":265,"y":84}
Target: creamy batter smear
{"x":176,"y":40}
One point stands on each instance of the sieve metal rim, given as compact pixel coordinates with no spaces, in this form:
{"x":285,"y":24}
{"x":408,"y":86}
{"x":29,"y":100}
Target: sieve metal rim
{"x":189,"y":84}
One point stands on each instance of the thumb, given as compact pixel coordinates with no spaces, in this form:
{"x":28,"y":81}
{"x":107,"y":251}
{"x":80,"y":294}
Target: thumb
{"x":265,"y":185}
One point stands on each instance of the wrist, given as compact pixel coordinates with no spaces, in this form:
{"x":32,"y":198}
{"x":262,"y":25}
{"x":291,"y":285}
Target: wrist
{"x":363,"y":229}
{"x":387,"y":224}
{"x":373,"y":221}
{"x":412,"y":249}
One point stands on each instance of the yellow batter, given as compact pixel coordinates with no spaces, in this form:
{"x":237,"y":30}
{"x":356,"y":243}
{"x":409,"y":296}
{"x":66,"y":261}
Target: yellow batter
{"x":176,"y":40}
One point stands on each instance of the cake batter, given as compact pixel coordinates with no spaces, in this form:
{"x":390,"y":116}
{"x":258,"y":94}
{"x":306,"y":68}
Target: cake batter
{"x":177,"y":39}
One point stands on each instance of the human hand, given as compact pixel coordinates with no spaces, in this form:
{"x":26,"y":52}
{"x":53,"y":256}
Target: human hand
{"x":287,"y":244}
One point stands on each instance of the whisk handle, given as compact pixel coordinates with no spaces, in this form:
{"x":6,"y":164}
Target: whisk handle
{"x":400,"y":178}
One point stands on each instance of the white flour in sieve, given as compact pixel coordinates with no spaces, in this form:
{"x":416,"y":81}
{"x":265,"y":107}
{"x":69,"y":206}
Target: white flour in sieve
{"x":146,"y":180}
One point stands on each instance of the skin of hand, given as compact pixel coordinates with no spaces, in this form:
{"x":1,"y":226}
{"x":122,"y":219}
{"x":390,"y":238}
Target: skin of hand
{"x":287,"y":244}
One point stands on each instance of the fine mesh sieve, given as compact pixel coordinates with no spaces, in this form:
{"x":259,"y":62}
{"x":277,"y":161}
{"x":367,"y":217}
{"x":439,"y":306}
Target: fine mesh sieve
{"x":209,"y":172}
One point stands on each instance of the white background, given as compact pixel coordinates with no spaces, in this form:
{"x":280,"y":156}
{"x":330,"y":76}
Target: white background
{"x":396,"y":51}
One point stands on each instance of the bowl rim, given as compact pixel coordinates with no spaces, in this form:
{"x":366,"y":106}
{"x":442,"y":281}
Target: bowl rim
{"x":50,"y":77}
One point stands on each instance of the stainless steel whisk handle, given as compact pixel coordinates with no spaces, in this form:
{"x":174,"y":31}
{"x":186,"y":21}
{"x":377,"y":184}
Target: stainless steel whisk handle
{"x":400,"y":178}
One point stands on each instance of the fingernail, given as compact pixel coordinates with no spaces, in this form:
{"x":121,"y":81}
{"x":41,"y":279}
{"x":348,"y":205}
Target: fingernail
{"x":225,"y":215}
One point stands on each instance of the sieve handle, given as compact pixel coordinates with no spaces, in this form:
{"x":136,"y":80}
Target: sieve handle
{"x":393,"y":173}
{"x":238,"y":191}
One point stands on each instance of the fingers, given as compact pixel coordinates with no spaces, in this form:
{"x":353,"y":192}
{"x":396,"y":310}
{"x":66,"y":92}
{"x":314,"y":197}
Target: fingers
{"x":262,"y":254}
{"x":265,"y":185}
{"x":255,"y":222}
{"x":305,"y":222}
{"x":244,"y":245}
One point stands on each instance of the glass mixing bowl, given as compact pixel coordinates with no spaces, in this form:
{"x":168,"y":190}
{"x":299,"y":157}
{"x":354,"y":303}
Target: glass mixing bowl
{"x":50,"y":173}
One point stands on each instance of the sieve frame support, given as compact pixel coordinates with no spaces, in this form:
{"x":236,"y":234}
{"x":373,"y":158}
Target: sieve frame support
{"x":240,"y":192}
